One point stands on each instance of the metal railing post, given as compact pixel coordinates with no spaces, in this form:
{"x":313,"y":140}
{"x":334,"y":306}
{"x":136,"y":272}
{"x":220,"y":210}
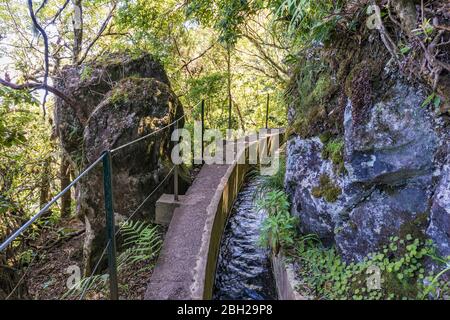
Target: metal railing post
{"x":110,"y":226}
{"x":203,"y":127}
{"x":175,"y":183}
{"x":267,"y":111}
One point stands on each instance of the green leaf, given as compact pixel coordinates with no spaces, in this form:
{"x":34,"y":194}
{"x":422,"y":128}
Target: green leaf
{"x":405,"y":50}
{"x":428,"y":100}
{"x":437,"y":101}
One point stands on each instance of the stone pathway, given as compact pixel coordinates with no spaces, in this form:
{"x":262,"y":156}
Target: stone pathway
{"x":173,"y":275}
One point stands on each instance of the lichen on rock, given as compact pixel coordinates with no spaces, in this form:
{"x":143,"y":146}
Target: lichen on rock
{"x":326,"y":189}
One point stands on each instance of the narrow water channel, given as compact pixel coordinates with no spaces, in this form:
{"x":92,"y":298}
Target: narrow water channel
{"x":244,"y":270}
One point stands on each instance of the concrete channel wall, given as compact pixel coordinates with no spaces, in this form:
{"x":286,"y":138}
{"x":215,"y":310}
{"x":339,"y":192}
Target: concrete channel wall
{"x":217,"y":212}
{"x":285,"y":280}
{"x":187,"y":263}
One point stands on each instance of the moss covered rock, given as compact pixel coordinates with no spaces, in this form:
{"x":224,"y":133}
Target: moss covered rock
{"x":88,"y":84}
{"x":314,"y":187}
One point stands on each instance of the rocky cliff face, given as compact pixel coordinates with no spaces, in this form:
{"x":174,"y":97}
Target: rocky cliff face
{"x":365,"y":159}
{"x":118,"y":100}
{"x":395,"y":180}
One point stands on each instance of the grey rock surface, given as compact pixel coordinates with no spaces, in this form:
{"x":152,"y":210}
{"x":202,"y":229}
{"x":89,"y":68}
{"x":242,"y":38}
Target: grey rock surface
{"x":397,"y":181}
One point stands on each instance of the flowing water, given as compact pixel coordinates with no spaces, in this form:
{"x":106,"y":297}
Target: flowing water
{"x":244,"y":270}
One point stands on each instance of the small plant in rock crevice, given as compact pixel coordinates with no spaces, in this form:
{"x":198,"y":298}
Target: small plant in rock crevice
{"x":333,"y":149}
{"x":273,"y":182}
{"x":279,"y":227}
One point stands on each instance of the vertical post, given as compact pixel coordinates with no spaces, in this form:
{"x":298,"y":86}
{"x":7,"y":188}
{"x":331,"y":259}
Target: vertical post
{"x":175,"y":183}
{"x":175,"y":175}
{"x":203,"y":128}
{"x":110,"y":226}
{"x":229,"y":112}
{"x":230,"y":102}
{"x":267,"y":111}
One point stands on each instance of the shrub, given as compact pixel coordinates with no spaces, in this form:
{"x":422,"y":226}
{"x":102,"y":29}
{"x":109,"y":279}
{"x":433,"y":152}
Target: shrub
{"x":310,"y":20}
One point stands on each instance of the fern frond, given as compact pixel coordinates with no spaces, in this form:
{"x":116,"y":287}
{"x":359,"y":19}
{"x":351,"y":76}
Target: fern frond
{"x":143,"y":242}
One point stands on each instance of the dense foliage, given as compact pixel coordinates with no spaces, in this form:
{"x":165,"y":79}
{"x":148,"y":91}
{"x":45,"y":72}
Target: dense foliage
{"x":142,"y":243}
{"x":27,"y":156}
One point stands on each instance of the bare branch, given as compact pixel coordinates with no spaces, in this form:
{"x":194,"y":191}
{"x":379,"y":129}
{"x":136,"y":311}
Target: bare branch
{"x":39,"y":86}
{"x":44,"y":2}
{"x":265,"y":56}
{"x":16,"y":25}
{"x":56,"y":16}
{"x":177,"y":48}
{"x":99,"y":34}
{"x":199,"y":56}
{"x":442,"y":27}
{"x":274,"y":76}
{"x":46,"y":51}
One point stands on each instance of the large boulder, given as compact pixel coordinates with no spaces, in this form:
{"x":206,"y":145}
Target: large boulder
{"x":118,"y":103}
{"x":88,"y":84}
{"x":134,"y":108}
{"x":393,"y":141}
{"x":388,"y":152}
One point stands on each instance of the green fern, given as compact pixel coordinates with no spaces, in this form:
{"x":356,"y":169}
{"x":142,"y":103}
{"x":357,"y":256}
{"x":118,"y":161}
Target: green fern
{"x":142,"y":241}
{"x":97,"y":282}
{"x":310,"y":20}
{"x":273,"y":182}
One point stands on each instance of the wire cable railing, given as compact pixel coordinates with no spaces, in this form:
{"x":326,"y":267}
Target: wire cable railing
{"x":105,"y":157}
{"x":19,"y":231}
{"x":109,"y":248}
{"x":147,"y":136}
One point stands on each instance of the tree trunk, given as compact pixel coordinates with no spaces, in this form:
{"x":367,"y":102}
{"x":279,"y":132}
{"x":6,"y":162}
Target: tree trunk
{"x":64,"y":175}
{"x":44,"y":196}
{"x":241,"y":118}
{"x":230,"y":98}
{"x":77,"y":30}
